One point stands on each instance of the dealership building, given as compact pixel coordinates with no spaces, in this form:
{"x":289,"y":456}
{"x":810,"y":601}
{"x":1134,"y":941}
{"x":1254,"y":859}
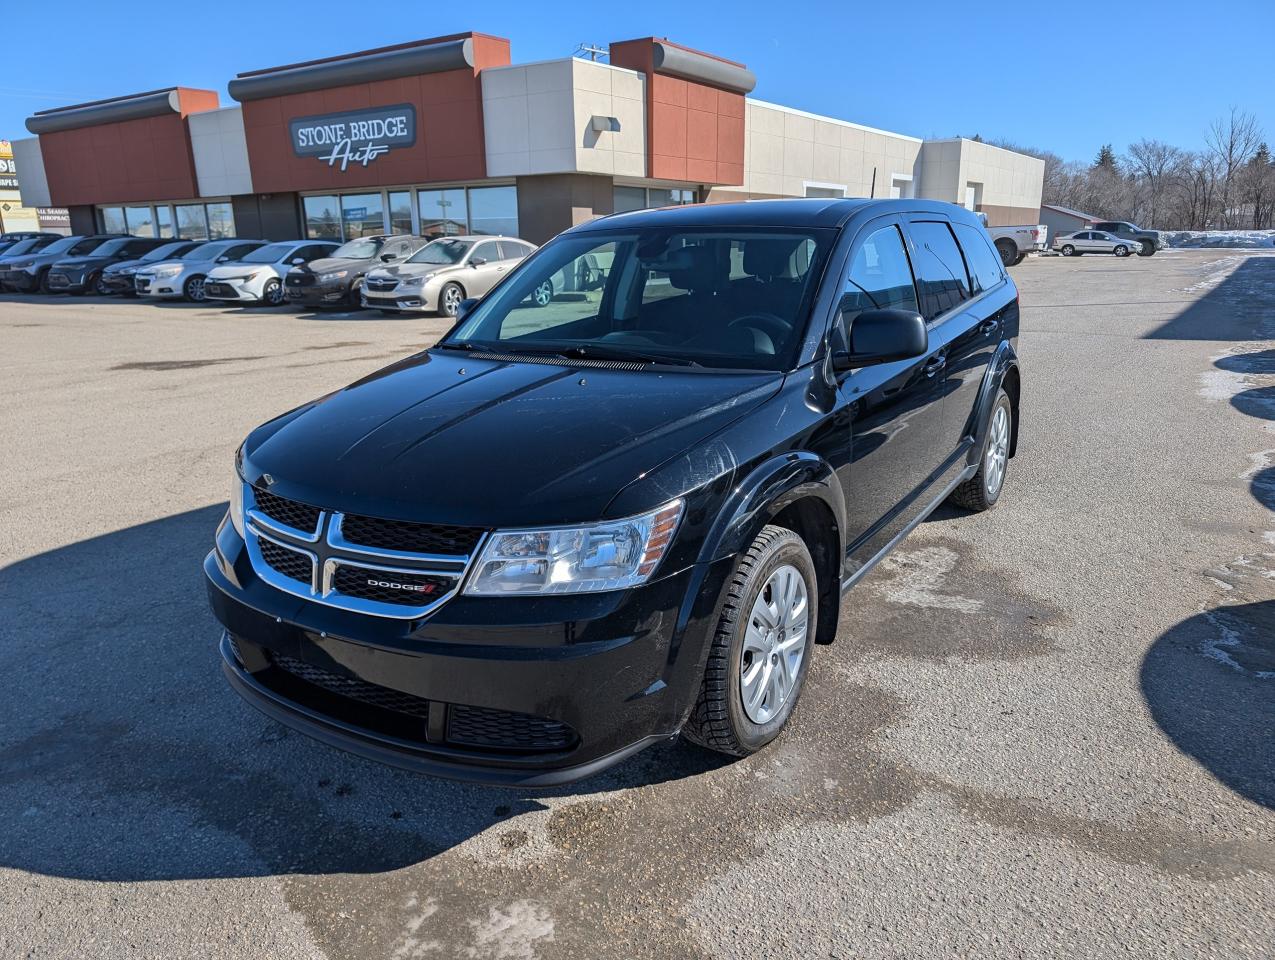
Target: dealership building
{"x":449,"y":136}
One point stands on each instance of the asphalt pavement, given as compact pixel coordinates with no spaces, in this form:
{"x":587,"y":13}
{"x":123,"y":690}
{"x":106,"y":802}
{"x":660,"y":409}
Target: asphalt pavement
{"x":1043,"y":731}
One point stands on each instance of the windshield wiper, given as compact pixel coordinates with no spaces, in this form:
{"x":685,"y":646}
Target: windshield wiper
{"x":456,"y":345}
{"x":591,"y":351}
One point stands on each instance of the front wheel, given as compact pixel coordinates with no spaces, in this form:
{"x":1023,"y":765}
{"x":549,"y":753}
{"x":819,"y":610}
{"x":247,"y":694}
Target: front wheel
{"x":1146,"y":248}
{"x":542,"y":296}
{"x":100,"y":287}
{"x":761,"y":648}
{"x":273,"y":293}
{"x":193,"y":290}
{"x":982,"y":490}
{"x":449,"y":299}
{"x":354,"y":299}
{"x":1121,"y":251}
{"x":1068,"y":250}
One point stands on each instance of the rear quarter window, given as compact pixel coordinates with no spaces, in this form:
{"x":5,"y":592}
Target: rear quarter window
{"x":985,"y":266}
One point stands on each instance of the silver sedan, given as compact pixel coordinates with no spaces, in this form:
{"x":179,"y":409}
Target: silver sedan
{"x":1094,"y":241}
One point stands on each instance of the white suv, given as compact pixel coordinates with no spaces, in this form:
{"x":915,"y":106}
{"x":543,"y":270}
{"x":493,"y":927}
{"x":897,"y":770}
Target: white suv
{"x":183,"y":278}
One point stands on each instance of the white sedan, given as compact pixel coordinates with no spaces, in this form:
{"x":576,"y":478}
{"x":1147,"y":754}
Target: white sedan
{"x":258,"y":277}
{"x":183,"y":277}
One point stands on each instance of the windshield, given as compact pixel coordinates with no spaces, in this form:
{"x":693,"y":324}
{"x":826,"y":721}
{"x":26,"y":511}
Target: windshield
{"x":163,"y":253}
{"x":59,"y":246}
{"x":734,"y":298}
{"x":207,"y":251}
{"x":364,"y":249}
{"x":111,"y":247}
{"x":270,"y":253}
{"x":441,"y":252}
{"x":23,"y":246}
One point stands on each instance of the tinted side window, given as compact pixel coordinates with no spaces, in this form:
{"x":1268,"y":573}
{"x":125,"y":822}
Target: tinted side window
{"x":509,"y":250}
{"x":985,"y":264}
{"x":486,"y":251}
{"x":880,"y":276}
{"x":240,"y":250}
{"x":940,"y":271}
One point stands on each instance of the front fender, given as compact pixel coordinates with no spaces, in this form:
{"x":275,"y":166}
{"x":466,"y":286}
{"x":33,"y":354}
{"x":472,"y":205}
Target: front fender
{"x":764,"y":492}
{"x":1003,"y":361}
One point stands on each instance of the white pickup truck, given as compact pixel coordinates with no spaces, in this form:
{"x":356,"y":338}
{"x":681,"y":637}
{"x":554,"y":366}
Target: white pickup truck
{"x":1014,"y":243}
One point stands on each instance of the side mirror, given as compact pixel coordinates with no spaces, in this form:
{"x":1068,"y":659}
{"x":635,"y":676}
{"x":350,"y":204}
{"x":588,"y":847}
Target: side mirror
{"x":883,"y":336}
{"x":222,"y":259}
{"x":388,"y":257}
{"x":297,"y":261}
{"x":477,"y":261}
{"x":464,"y":307}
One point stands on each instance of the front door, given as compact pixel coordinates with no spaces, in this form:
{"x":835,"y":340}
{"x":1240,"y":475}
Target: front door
{"x":895,"y":408}
{"x":484,"y":270}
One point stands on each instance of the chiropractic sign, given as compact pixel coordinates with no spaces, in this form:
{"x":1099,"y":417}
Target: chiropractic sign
{"x":356,"y":137}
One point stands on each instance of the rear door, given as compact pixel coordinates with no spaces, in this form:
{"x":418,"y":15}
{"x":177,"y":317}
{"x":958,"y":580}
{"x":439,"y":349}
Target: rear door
{"x":895,"y":409}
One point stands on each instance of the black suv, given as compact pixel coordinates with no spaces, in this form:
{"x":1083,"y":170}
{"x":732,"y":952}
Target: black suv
{"x":84,"y":274}
{"x":568,"y":531}
{"x":337,"y":281}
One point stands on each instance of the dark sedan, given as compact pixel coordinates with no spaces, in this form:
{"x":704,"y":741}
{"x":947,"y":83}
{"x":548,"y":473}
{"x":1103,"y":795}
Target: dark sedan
{"x":337,"y":280}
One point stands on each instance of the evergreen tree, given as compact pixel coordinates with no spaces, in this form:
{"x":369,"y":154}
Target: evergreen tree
{"x":1106,"y":159}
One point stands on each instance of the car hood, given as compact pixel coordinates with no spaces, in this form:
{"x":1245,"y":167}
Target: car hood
{"x":447,"y":438}
{"x":184,"y":264}
{"x":237,"y":268}
{"x":329,"y":264}
{"x":122,"y":264}
{"x":83,"y":263}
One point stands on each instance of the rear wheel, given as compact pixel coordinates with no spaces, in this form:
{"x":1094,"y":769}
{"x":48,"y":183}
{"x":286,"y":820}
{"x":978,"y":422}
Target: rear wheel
{"x":193,"y":289}
{"x":1008,"y":251}
{"x":982,"y":490}
{"x":760,"y":649}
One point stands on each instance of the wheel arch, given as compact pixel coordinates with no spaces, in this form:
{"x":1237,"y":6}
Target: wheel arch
{"x":801,"y":492}
{"x":1003,"y":371}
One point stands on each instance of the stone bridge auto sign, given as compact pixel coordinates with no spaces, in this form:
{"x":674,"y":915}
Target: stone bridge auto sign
{"x":355,"y":137}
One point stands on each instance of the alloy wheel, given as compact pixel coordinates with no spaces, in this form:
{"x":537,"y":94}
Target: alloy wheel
{"x":997,"y":451}
{"x":775,"y":640}
{"x":195,"y":289}
{"x":451,"y":300}
{"x":274,"y":293}
{"x":543,"y":294}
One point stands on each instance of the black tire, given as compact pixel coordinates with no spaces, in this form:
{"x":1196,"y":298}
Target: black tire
{"x":355,"y":297}
{"x":1121,"y":250}
{"x":1067,"y":250}
{"x":449,"y":299}
{"x":1008,"y":251}
{"x":42,"y":285}
{"x":977,"y":493}
{"x":542,"y":296}
{"x":100,"y":288}
{"x":193,"y":289}
{"x":718,"y":720}
{"x":1146,"y":248}
{"x":90,"y":285}
{"x":273,"y":295}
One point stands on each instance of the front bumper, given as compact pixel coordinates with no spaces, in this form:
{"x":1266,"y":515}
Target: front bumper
{"x":65,"y":281}
{"x":223,"y":289}
{"x":159,"y":287}
{"x":20,"y":280}
{"x":318,"y":294}
{"x":399,"y":298}
{"x":604,"y":674}
{"x":118,"y":283}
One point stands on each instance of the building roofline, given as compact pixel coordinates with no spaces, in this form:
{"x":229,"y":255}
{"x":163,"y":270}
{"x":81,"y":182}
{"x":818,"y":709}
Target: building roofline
{"x":836,"y":120}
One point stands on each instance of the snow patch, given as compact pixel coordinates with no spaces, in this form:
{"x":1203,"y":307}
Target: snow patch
{"x":1222,"y":385}
{"x":512,"y":933}
{"x":919,"y":578}
{"x":1212,"y":239}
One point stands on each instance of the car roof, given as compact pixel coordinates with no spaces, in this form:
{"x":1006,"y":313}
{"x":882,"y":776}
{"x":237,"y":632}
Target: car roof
{"x":795,"y":212}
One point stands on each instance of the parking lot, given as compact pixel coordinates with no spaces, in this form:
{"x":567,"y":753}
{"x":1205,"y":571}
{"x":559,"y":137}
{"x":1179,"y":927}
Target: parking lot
{"x":1043,"y":731}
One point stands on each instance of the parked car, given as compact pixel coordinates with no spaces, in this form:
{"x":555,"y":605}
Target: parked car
{"x":117,"y":278}
{"x":444,"y":272}
{"x":1146,"y":242}
{"x":258,"y":277}
{"x":15,"y":249}
{"x":1093,"y":241}
{"x":83,"y":274}
{"x":183,"y":277}
{"x":564,"y":533}
{"x":27,"y":274}
{"x":1014,"y":243}
{"x":337,"y":280}
{"x":9,"y":239}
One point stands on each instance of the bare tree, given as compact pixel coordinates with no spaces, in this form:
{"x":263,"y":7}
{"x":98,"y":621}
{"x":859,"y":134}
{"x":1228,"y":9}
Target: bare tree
{"x":1151,"y":164}
{"x":1232,"y":141}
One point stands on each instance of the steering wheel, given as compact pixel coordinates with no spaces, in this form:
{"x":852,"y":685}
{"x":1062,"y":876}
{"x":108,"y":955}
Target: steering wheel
{"x":770,"y":324}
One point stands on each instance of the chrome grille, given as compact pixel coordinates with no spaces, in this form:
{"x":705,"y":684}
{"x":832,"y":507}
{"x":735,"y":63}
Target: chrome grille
{"x":379,"y":284}
{"x":399,"y":569}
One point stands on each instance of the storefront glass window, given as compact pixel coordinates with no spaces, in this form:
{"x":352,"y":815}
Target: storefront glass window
{"x":164,"y":220}
{"x":629,"y":198}
{"x":191,"y":221}
{"x":444,"y":213}
{"x":401,"y":212}
{"x":221,"y":221}
{"x":140,"y":221}
{"x":322,"y":219}
{"x":113,"y":220}
{"x":364,"y":215}
{"x":494,"y":210}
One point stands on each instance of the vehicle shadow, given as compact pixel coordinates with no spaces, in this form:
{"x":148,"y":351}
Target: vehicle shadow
{"x":1235,"y":309}
{"x":1262,"y":486}
{"x":1210,"y":685}
{"x":124,"y":756}
{"x":1258,"y":362}
{"x":1258,"y":402}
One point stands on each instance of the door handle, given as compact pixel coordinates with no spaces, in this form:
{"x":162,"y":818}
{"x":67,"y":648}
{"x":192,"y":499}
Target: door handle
{"x":935,"y":364}
{"x":988,"y":326}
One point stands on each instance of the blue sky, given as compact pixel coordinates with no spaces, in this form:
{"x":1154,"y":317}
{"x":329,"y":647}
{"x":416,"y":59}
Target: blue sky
{"x":1040,"y":73}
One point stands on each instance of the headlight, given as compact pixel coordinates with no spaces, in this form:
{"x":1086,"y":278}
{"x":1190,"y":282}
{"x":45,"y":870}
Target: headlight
{"x":334,"y":275}
{"x":24,"y":265}
{"x":125,"y":271}
{"x":415,"y":281}
{"x":602,"y":556}
{"x":166,"y":271}
{"x":236,"y":504}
